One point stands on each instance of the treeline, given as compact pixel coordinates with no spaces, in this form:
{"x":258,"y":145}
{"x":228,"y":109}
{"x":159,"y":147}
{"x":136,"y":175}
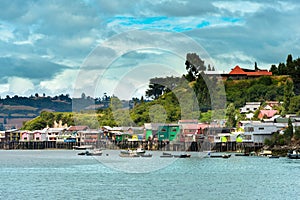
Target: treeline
{"x":291,"y":68}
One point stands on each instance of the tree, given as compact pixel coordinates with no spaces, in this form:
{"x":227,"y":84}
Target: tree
{"x":230,"y":113}
{"x":194,"y":64}
{"x":288,"y":94}
{"x":209,"y":68}
{"x":282,"y":69}
{"x":290,"y":66}
{"x":294,"y":106}
{"x":274,"y":70}
{"x":289,"y":131}
{"x":255,"y":66}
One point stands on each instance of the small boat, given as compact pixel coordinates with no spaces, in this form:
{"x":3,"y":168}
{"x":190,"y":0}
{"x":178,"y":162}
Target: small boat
{"x":96,"y":152}
{"x":140,"y":151}
{"x":93,"y":153}
{"x":273,"y":156}
{"x":226,"y":155}
{"x":82,"y":154}
{"x":84,"y":147}
{"x":146,"y":155}
{"x":128,"y":153}
{"x":183,"y":156}
{"x":166,"y":155}
{"x":293,"y":155}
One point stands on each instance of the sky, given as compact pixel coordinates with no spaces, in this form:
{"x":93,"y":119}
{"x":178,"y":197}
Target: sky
{"x":102,"y":46}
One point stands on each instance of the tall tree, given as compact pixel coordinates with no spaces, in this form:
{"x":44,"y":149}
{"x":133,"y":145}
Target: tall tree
{"x":288,"y":94}
{"x":274,"y":70}
{"x":231,"y":115}
{"x":194,"y":64}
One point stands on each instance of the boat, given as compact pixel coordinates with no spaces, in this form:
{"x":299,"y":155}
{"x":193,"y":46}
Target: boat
{"x":273,"y":156}
{"x":166,"y":155}
{"x":128,"y":153}
{"x":293,"y":155}
{"x":93,"y":153}
{"x":140,"y":151}
{"x":226,"y":155}
{"x":220,"y":155}
{"x":81,"y":153}
{"x":148,"y":155}
{"x":183,"y":156}
{"x":84,"y":147}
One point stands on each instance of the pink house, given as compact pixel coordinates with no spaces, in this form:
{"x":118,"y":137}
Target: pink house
{"x":266,"y":113}
{"x":39,"y":136}
{"x":190,"y":132}
{"x":26,"y":136}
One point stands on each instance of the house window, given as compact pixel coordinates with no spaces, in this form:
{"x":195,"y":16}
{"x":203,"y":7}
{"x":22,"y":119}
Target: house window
{"x":163,"y":130}
{"x":25,"y":138}
{"x":261,"y":128}
{"x":248,"y":137}
{"x":37,"y":138}
{"x":249,"y":129}
{"x":174,"y":129}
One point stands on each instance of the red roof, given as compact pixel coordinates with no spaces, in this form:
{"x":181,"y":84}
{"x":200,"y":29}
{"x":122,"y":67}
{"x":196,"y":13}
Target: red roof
{"x":267,"y":113}
{"x":240,"y":71}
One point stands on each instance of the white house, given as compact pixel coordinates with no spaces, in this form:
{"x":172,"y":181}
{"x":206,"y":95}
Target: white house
{"x":250,"y":107}
{"x":258,"y":132}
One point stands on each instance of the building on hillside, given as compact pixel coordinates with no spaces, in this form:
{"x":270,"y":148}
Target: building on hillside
{"x":266,"y":114}
{"x":250,"y":107}
{"x":272,"y":104}
{"x":238,"y":73}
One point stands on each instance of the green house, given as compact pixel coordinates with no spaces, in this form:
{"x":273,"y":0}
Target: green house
{"x":122,"y":137}
{"x":168,"y":132}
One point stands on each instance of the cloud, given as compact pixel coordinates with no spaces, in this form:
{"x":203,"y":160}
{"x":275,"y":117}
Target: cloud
{"x":46,"y":41}
{"x":30,"y":68}
{"x":18,"y":85}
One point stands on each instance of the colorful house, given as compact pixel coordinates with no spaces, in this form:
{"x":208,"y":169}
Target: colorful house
{"x":266,"y":114}
{"x":26,"y":136}
{"x":168,"y":132}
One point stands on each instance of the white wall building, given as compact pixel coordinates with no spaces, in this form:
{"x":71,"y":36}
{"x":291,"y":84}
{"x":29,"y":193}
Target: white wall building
{"x":250,"y":107}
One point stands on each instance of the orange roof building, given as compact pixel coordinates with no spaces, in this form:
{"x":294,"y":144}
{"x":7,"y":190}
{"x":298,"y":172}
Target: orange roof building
{"x":241,"y":73}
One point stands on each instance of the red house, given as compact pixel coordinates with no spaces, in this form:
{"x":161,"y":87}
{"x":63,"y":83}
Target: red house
{"x":242,"y":73}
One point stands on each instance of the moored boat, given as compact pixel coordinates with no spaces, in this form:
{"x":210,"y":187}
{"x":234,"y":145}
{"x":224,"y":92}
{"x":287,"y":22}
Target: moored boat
{"x":166,"y":155}
{"x":148,"y":155}
{"x":293,"y":155}
{"x":128,"y":153}
{"x":226,"y":155}
{"x":183,"y":156}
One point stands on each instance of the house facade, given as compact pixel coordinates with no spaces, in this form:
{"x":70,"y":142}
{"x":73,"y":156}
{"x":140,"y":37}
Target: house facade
{"x":259,"y":132}
{"x":250,"y":107}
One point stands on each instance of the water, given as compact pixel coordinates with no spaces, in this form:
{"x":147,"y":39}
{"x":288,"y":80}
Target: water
{"x":65,"y":175}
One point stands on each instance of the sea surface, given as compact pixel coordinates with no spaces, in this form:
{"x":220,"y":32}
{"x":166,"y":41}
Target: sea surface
{"x":62,"y":174}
